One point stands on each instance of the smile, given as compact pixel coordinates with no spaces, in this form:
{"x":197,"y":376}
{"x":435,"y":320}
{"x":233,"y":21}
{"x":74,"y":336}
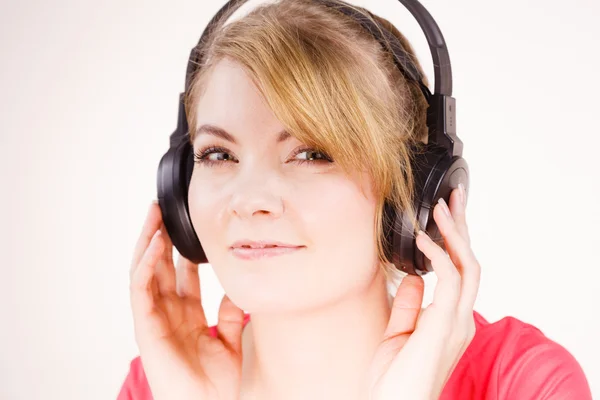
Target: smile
{"x":247,"y":253}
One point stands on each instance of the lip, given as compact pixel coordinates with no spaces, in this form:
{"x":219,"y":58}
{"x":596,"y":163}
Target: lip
{"x":259,"y":249}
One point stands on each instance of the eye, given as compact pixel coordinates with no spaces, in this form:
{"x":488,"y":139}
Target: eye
{"x":212,"y":156}
{"x":311,"y":156}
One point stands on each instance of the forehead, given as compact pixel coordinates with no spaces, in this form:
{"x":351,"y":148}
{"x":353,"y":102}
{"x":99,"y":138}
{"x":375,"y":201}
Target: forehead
{"x":232,"y":101}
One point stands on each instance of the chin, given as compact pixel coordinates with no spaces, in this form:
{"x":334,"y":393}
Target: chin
{"x":266,"y":294}
{"x":263,"y":289}
{"x":291,"y":283}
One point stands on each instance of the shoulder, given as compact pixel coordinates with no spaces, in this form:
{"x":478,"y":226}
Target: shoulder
{"x":511,"y":359}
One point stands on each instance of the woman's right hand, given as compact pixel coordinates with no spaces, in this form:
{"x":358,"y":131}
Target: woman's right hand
{"x":180,"y":358}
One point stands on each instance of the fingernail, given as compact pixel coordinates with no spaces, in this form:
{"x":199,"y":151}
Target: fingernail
{"x":461,"y":191}
{"x":445,"y":207}
{"x":155,"y":201}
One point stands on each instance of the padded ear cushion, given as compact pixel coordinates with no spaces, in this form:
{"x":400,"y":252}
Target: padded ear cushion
{"x":173,"y":179}
{"x":436,"y":174}
{"x":404,"y":251}
{"x":444,"y":177}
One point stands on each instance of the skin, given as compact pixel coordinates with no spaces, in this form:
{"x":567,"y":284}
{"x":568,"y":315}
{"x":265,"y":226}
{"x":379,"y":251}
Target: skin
{"x":323,"y":325}
{"x":333,"y":285}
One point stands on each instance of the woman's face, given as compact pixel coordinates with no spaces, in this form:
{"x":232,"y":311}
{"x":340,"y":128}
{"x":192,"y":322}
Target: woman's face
{"x":259,"y":189}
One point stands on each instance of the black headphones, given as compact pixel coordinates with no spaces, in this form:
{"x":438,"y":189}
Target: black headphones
{"x":438,"y":168}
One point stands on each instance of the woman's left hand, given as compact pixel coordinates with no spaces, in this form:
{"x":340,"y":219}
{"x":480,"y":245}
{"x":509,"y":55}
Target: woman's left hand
{"x":419,"y":352}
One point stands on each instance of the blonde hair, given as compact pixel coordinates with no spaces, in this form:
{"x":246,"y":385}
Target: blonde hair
{"x":334,"y":87}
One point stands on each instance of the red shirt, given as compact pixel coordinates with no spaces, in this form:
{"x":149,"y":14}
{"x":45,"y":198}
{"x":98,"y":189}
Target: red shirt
{"x":506,"y":360}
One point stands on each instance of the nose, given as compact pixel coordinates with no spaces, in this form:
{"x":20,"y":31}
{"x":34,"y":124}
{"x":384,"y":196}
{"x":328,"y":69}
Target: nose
{"x":256,"y":196}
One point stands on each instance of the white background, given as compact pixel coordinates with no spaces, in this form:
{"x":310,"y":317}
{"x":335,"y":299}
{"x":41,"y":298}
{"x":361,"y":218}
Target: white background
{"x":88,"y":98}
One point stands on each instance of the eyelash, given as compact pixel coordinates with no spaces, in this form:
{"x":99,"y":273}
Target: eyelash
{"x":200,"y":156}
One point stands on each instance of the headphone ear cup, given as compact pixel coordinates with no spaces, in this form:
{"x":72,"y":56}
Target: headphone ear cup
{"x":436,"y":174}
{"x":447,"y":175}
{"x":173,"y":179}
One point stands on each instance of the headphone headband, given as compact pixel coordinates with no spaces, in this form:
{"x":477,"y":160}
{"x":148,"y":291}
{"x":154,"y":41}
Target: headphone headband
{"x":388,"y":41}
{"x":437,"y":45}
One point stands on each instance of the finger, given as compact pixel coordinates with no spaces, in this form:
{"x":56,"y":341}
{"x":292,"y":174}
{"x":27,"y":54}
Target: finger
{"x":447,"y":289}
{"x":164,"y":270}
{"x":188,"y":279}
{"x":140,"y":286}
{"x":406,"y":306}
{"x":462,"y":258}
{"x":451,"y":237}
{"x":168,"y":253}
{"x":151,"y":225}
{"x":459,"y":214}
{"x":230,"y":325}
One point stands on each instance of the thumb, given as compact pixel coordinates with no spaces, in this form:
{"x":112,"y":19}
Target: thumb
{"x":406,"y":306}
{"x":230,"y":325}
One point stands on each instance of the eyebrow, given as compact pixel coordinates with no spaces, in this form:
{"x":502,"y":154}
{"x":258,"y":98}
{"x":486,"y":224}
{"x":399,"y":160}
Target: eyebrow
{"x":208,"y":129}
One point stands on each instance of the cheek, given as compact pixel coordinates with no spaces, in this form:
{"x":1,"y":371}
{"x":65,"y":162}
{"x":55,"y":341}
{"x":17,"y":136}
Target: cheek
{"x":204,"y":205}
{"x":335,"y":214}
{"x":340,"y":221}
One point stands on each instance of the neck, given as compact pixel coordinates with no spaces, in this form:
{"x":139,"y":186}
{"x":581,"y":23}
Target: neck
{"x":323,"y":353}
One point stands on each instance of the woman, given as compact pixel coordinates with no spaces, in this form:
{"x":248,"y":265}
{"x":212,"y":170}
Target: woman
{"x":301,"y":127}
